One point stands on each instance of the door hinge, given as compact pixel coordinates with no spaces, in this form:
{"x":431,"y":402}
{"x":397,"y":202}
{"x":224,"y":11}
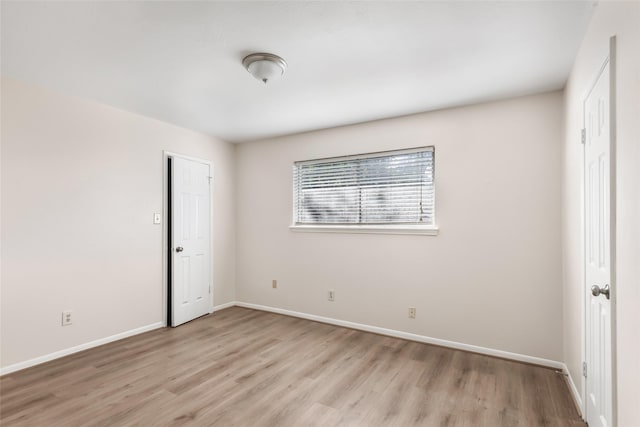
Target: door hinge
{"x":584,"y":369}
{"x":583,"y":136}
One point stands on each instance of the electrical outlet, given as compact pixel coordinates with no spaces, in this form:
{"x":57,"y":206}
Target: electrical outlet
{"x":331,"y":295}
{"x":412,"y":312}
{"x":274,"y":284}
{"x":67,"y":318}
{"x":157,"y":218}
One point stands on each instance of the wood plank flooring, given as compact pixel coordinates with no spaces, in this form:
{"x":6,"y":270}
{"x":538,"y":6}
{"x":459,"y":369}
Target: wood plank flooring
{"x":240,"y":367}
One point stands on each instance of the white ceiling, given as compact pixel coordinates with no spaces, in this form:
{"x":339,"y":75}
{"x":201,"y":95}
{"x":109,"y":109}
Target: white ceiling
{"x":349,"y":62}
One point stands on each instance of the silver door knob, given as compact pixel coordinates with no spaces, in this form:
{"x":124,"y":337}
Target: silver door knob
{"x":179,"y":249}
{"x":597,"y":290}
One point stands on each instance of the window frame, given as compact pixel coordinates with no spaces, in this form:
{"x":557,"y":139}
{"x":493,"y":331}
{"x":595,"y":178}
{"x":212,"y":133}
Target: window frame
{"x":385,"y":228}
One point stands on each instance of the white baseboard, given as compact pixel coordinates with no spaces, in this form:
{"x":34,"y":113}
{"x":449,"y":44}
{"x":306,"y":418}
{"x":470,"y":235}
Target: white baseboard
{"x":359,"y":326}
{"x":577,"y":397}
{"x":412,"y":337}
{"x":67,"y":351}
{"x":223,"y":306}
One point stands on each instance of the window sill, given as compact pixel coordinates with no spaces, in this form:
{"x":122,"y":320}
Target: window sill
{"x":428,"y":230}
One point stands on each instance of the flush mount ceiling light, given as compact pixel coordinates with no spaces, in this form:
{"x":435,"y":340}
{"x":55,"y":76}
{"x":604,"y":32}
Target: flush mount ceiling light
{"x":265,"y":66}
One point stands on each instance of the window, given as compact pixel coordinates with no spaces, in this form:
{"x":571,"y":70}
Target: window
{"x":389,"y":191}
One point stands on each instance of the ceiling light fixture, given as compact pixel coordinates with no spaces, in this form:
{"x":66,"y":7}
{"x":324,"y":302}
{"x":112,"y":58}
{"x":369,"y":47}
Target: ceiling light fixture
{"x":265,"y":66}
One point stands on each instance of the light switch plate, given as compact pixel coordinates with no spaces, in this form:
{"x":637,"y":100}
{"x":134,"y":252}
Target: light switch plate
{"x":157,"y":218}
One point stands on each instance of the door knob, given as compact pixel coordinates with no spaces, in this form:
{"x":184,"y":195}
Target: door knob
{"x":179,"y":249}
{"x":597,"y":290}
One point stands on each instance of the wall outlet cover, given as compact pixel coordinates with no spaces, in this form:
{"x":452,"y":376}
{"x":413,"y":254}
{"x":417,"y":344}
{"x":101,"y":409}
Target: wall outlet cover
{"x":67,"y":318}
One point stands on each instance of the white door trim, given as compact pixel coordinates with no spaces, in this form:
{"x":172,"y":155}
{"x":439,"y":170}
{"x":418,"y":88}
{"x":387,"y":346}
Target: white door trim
{"x":610,"y":57}
{"x":165,"y":228}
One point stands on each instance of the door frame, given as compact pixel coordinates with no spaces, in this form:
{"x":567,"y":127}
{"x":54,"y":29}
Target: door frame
{"x":610,"y":59}
{"x":165,"y":230}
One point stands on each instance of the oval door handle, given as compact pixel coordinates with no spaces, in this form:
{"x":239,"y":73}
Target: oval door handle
{"x":179,"y":249}
{"x":597,"y":290}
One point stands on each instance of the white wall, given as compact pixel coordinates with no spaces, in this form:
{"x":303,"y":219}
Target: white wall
{"x":491,"y":278}
{"x":80,"y":184}
{"x":621,"y":19}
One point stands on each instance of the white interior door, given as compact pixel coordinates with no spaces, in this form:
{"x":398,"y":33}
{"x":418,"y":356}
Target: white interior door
{"x":190,"y":240}
{"x":598,"y":262}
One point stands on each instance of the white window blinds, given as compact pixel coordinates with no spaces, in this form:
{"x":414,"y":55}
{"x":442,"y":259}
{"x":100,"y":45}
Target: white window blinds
{"x":382,"y":188}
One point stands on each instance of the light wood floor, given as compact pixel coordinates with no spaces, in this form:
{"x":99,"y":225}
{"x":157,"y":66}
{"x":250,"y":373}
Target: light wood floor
{"x":241,"y":367}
